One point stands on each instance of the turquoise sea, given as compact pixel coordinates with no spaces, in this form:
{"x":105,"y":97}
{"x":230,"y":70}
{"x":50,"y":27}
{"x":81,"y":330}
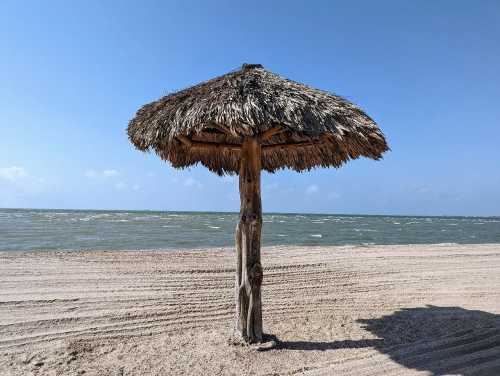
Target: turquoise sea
{"x":25,"y":229}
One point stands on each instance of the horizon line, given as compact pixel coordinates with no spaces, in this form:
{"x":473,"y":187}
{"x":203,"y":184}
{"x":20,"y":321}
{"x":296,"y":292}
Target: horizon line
{"x":267,"y":212}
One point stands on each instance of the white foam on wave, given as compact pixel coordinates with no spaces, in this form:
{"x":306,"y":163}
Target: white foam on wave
{"x":95,"y":216}
{"x":316,"y":235}
{"x":147,"y":218}
{"x":89,"y":237}
{"x":215,"y":227}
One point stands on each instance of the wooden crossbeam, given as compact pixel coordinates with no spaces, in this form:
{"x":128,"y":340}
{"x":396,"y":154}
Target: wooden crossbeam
{"x":223,"y":129}
{"x":207,"y":145}
{"x":214,"y":146}
{"x":290,"y":145}
{"x":270,"y":133}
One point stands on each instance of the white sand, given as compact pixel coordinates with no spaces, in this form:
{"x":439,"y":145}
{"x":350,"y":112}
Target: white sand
{"x":378,"y":310}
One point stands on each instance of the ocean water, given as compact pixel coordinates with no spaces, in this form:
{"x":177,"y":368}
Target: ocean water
{"x":22,"y":229}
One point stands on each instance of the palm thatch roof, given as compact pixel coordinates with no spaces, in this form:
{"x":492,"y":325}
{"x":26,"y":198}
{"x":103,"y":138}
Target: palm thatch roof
{"x":300,"y":127}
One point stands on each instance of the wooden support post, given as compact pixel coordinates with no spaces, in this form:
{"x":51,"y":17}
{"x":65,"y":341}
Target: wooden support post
{"x":248,"y":231}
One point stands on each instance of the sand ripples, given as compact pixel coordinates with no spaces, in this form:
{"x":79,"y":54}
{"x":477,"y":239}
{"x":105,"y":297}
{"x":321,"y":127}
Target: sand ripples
{"x":378,"y":310}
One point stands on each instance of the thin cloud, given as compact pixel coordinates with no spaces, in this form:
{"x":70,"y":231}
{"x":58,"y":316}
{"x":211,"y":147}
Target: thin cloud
{"x":17,"y":180}
{"x":190,"y":182}
{"x":13,"y":174}
{"x":107,"y":173}
{"x":312,"y":189}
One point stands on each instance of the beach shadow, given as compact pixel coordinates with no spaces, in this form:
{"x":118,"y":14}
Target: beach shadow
{"x":439,"y":340}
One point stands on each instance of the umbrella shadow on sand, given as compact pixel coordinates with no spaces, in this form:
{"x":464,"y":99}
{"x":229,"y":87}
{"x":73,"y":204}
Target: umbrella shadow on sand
{"x":439,"y":340}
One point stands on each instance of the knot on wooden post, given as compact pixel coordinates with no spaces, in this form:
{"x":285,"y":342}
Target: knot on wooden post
{"x":255,"y":275}
{"x":251,"y":219}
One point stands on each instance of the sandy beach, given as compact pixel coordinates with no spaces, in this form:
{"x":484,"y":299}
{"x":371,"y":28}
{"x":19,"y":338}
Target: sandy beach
{"x":374,"y":310}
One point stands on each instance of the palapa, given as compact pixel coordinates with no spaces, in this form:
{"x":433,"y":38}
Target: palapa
{"x":246,"y":121}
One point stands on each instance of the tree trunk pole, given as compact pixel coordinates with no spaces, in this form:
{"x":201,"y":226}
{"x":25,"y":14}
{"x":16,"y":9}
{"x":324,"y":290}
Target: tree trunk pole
{"x":248,"y":232}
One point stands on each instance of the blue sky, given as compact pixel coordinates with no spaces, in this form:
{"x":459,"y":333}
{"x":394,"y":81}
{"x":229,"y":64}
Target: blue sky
{"x":71,"y":77}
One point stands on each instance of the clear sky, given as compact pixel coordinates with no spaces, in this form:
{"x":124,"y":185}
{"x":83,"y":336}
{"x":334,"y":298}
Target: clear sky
{"x":72,"y":74}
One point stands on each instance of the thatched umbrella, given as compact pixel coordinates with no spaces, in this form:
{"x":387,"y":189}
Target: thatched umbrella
{"x":244,"y":122}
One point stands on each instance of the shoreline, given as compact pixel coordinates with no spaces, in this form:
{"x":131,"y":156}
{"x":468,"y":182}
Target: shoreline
{"x":382,"y":308}
{"x":231,"y":248}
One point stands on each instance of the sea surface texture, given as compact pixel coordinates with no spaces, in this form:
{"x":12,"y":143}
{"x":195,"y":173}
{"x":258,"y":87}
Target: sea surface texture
{"x":22,"y":229}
